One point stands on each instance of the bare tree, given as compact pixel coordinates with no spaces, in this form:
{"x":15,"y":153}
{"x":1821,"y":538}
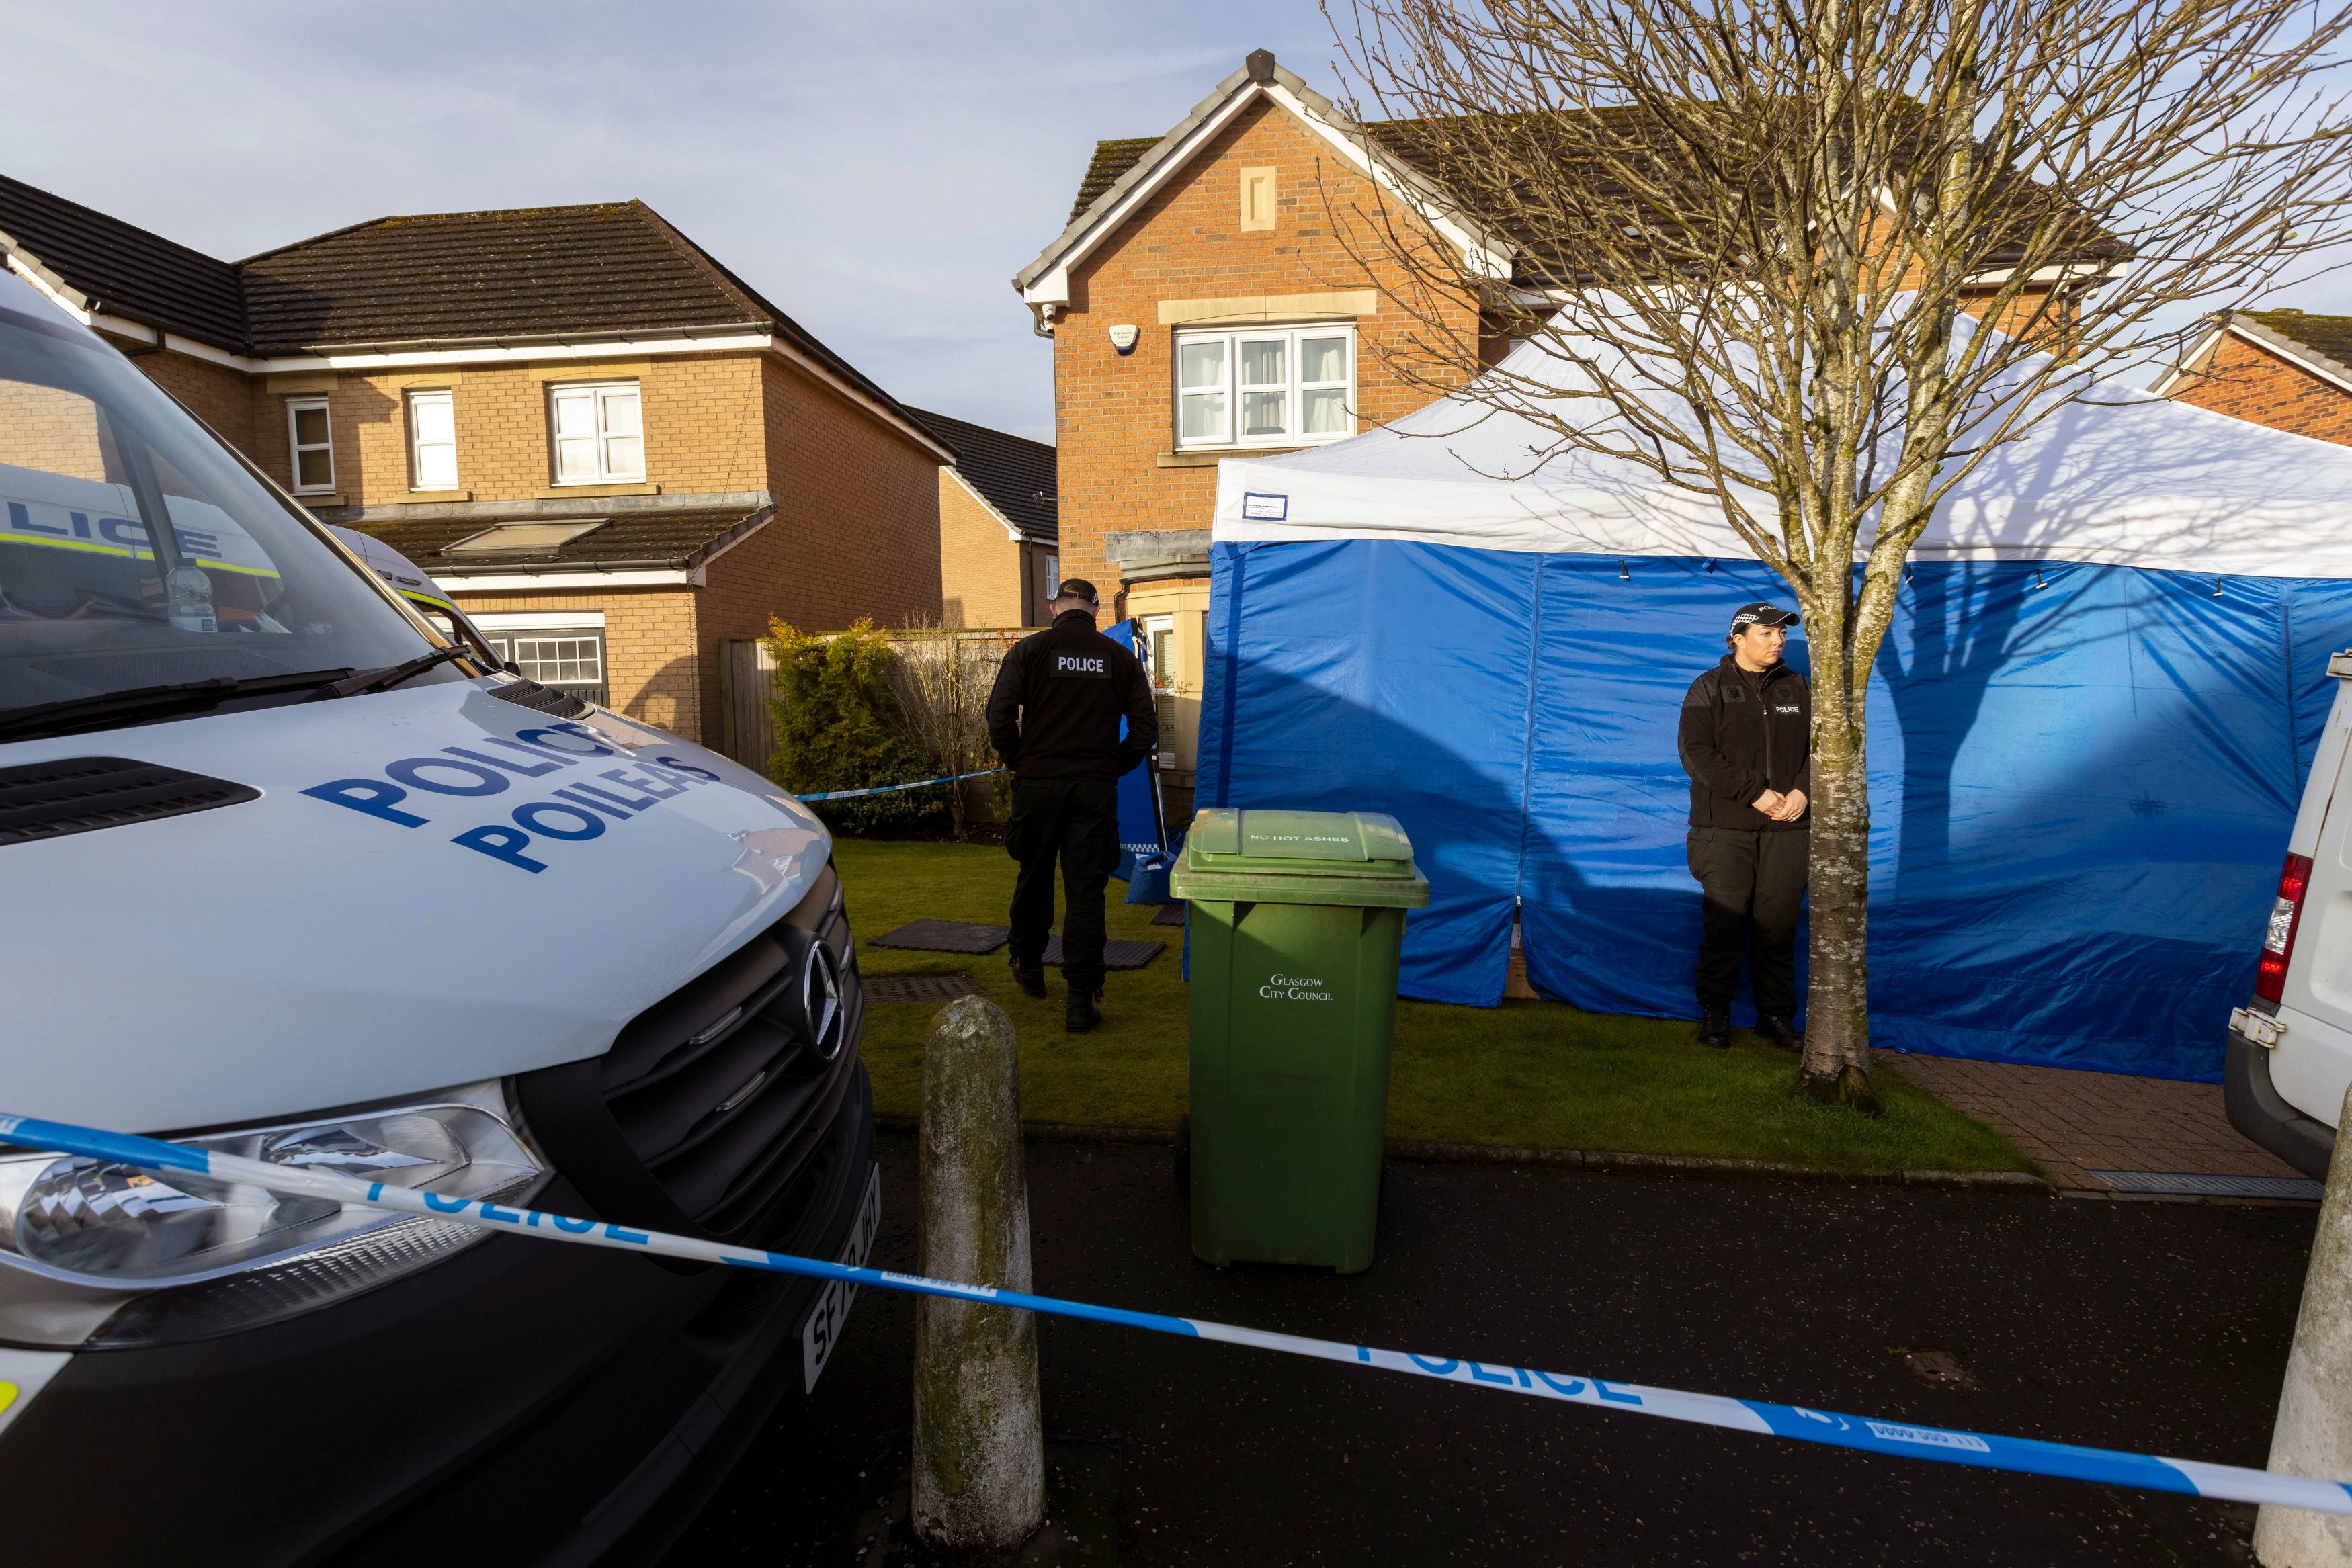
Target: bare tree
{"x":1753,"y":239}
{"x":943,"y":677}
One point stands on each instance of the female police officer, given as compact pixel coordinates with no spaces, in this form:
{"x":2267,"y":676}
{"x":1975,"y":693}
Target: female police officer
{"x":1746,"y":744}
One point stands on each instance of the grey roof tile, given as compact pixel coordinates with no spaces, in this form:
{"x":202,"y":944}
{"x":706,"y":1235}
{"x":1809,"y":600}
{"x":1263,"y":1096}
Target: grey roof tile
{"x":1015,"y":474}
{"x":605,"y":269}
{"x":2330,"y":337}
{"x":131,"y":272}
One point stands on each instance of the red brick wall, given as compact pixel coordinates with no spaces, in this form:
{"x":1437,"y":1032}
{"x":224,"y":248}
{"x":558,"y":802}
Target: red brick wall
{"x":857,"y":517}
{"x":1114,"y":415}
{"x":2252,"y":384}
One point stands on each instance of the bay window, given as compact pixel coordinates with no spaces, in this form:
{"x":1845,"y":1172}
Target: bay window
{"x":1271,"y":387}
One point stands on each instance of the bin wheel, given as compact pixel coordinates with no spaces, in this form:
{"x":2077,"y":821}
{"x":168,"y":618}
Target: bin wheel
{"x":1184,"y":1156}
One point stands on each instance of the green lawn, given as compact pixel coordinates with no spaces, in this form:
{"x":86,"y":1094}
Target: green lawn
{"x":1527,"y":1074}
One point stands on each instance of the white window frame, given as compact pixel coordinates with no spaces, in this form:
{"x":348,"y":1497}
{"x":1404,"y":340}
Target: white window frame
{"x":599,"y":396}
{"x":1293,"y":388}
{"x":419,"y":398}
{"x":296,"y":446}
{"x":576,"y":632}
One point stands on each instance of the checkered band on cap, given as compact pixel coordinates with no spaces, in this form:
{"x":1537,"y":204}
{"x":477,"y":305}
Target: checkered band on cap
{"x":1762,"y":615}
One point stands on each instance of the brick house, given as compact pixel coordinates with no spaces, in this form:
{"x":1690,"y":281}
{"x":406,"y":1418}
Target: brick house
{"x":999,"y":540}
{"x":618,"y":457}
{"x":1202,"y":306}
{"x":2279,"y":368}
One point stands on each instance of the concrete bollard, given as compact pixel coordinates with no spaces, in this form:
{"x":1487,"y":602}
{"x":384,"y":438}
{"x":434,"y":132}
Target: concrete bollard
{"x":980,"y":1453}
{"x":2314,"y":1433}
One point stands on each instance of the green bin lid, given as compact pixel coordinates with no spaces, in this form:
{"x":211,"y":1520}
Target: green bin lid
{"x":1298,"y":857}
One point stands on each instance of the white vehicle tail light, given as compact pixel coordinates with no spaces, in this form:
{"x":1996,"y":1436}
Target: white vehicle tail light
{"x":2278,"y":942}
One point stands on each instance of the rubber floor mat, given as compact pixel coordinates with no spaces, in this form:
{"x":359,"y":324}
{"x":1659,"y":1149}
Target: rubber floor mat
{"x":1169,"y":915}
{"x":944,"y":936}
{"x":1117,"y":953}
{"x":885,"y":989}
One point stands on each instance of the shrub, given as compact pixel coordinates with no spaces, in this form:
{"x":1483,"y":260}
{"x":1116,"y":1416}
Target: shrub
{"x":839,"y":726}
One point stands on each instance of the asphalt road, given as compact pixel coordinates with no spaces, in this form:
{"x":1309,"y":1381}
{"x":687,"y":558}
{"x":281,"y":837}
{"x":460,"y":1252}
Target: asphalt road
{"x":2150,"y":1326}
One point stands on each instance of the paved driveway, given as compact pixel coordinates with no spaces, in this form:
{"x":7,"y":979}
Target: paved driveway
{"x":2077,"y":1126}
{"x":2155,"y":1326}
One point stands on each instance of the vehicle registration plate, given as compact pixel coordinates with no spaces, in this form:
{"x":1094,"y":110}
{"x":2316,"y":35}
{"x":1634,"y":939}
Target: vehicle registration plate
{"x":821,"y":1331}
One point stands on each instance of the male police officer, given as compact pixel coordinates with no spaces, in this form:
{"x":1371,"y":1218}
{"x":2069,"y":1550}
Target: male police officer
{"x":1054,"y":718}
{"x":1747,"y":743}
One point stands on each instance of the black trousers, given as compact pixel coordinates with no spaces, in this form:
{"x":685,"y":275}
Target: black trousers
{"x":1074,"y":822}
{"x":1752,"y":886}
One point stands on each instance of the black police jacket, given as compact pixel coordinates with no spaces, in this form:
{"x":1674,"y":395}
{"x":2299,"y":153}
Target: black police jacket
{"x":1742,"y":735}
{"x":1058,"y":699}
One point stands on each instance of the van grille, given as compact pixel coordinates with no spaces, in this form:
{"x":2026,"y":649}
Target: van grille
{"x":710,"y":1101}
{"x":49,"y":799}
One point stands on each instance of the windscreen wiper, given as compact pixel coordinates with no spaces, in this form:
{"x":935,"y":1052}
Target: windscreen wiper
{"x":384,"y":680}
{"x":105,"y":710}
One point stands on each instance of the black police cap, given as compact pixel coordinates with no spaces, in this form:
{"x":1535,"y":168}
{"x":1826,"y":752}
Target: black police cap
{"x":1760,"y":614}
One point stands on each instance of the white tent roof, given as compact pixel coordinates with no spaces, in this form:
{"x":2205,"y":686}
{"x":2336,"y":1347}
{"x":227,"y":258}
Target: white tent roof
{"x":2127,"y":480}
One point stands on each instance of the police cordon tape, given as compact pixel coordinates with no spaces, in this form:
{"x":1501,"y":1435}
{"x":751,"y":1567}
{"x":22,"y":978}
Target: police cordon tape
{"x":2024,"y":1454}
{"x":894,"y":788}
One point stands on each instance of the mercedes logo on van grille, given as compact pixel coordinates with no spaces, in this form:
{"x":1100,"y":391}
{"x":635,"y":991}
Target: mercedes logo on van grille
{"x":821,"y":1001}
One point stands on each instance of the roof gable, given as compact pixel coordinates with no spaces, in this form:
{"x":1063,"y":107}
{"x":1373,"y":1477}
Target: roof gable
{"x":1123,"y":174}
{"x":2319,"y":346}
{"x":1011,"y":474}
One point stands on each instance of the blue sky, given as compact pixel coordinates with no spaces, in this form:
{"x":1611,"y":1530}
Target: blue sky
{"x":880,"y":171}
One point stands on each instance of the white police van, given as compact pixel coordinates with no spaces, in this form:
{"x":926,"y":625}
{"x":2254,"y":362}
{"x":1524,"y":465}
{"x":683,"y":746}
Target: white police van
{"x":2290,"y":1050}
{"x":256,"y":820}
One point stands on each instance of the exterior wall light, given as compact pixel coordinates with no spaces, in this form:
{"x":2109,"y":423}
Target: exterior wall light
{"x":1123,"y":339}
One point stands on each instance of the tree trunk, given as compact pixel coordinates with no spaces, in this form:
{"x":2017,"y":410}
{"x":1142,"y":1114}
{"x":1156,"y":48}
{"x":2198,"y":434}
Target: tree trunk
{"x":1837,"y":1002}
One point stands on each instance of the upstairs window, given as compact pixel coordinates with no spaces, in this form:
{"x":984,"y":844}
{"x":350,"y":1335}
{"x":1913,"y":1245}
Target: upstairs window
{"x":432,"y":441}
{"x":313,"y":448}
{"x":599,"y":435}
{"x":1294,"y":386}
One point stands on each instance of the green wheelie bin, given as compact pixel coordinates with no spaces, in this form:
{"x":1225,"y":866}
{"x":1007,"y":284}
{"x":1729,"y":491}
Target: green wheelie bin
{"x":1296,"y":919}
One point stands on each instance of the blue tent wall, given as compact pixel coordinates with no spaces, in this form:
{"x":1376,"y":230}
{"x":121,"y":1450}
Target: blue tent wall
{"x":1139,"y":822}
{"x":2081,"y":776}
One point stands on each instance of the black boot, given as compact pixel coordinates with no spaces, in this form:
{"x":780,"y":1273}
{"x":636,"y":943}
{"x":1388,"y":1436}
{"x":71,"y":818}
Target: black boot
{"x":1083,"y":1014}
{"x":1781,"y":1031}
{"x":1031,"y":977}
{"x":1715,"y":1028}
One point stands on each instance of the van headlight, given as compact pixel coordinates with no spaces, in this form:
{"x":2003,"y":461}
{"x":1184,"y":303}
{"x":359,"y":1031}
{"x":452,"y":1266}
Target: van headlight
{"x":98,"y":1255}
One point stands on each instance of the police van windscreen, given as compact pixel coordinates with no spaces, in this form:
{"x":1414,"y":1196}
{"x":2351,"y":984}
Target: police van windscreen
{"x":136,"y":551}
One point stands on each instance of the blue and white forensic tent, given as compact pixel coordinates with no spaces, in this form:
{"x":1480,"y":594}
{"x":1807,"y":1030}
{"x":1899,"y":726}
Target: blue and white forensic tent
{"x":2089,"y":728}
